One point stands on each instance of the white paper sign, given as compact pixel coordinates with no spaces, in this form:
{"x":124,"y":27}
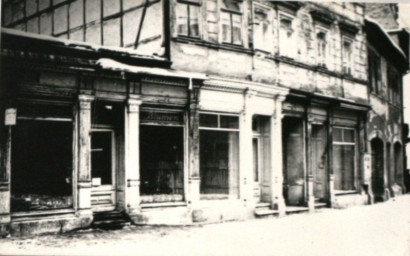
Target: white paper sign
{"x":11,"y":115}
{"x":367,"y":164}
{"x":96,"y":182}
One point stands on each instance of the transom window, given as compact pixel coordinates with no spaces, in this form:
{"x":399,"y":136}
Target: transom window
{"x":231,"y":17}
{"x":187,"y":12}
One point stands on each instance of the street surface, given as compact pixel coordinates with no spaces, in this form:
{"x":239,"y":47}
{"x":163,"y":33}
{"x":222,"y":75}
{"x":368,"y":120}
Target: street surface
{"x":381,"y":229}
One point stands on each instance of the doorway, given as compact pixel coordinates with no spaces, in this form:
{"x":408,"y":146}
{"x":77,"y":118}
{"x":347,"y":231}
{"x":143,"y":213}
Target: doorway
{"x":261,"y":157}
{"x":293,"y":161}
{"x":377,"y":169}
{"x":319,"y":161}
{"x":103,"y":171}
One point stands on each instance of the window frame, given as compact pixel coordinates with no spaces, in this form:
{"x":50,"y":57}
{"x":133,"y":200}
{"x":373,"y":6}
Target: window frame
{"x":188,"y":4}
{"x":355,"y":147}
{"x":288,"y":53}
{"x":269,"y":45}
{"x":231,"y":12}
{"x":324,"y":61}
{"x":348,"y":65}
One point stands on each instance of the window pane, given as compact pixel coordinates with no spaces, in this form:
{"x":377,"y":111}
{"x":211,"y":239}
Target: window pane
{"x":161,"y":167}
{"x":348,"y":167}
{"x":255,"y":148}
{"x":193,"y":20}
{"x":76,"y":13}
{"x":42,"y":165}
{"x":348,"y":135}
{"x":226,"y":27}
{"x":219,"y":163}
{"x":338,"y":166}
{"x":112,"y":32}
{"x":92,"y":10}
{"x":101,"y":157}
{"x":237,"y":25}
{"x":337,"y":134}
{"x":111,"y":7}
{"x":182,"y":19}
{"x":229,"y":122}
{"x":207,"y":120}
{"x":60,"y":19}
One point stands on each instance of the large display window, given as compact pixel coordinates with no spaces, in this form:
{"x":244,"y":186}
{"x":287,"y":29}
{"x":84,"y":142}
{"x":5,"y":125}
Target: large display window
{"x":219,"y":156}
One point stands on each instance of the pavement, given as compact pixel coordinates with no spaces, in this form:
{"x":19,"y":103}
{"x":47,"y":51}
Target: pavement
{"x":381,"y":229}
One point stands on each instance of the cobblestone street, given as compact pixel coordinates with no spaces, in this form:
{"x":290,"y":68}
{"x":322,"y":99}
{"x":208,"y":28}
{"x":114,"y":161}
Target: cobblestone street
{"x":381,"y":229}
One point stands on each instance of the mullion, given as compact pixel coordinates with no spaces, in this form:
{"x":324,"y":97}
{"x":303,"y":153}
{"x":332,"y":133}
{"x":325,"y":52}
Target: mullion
{"x":188,"y":20}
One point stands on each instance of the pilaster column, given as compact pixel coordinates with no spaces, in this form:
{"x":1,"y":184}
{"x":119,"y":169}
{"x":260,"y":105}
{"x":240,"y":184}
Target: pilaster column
{"x":193,"y":192}
{"x":5,"y":168}
{"x":245,"y":151}
{"x":310,"y":177}
{"x":331,"y":175}
{"x":84,"y":151}
{"x":132,"y":155}
{"x":278,"y":201}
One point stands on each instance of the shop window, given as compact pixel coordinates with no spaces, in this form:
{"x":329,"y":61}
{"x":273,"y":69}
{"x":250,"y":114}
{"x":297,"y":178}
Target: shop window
{"x":321,"y":48}
{"x":187,"y":13}
{"x":231,"y":17}
{"x":344,"y":148}
{"x":41,"y":172}
{"x":347,"y":56}
{"x":219,"y":157}
{"x":263,"y":29}
{"x":161,"y":163}
{"x":286,"y":37}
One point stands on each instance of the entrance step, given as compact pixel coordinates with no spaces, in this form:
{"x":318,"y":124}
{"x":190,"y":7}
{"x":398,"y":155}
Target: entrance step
{"x":110,"y":220}
{"x":264,"y":210}
{"x":296,"y":209}
{"x":319,"y":205}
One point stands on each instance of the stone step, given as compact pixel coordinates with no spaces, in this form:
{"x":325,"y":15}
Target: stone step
{"x":265,"y":212}
{"x":320,"y":205}
{"x":296,"y":209}
{"x":110,"y":220}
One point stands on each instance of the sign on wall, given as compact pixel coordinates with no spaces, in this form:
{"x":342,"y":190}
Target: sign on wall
{"x":367,"y":166}
{"x":148,"y":116}
{"x":10,"y":116}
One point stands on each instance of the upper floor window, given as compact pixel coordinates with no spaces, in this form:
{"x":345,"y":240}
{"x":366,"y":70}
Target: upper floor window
{"x":374,"y":72}
{"x":187,"y":13}
{"x":321,"y":38}
{"x":231,"y":18}
{"x":347,"y":56}
{"x":286,"y":34}
{"x":393,"y":80}
{"x":263,"y":29}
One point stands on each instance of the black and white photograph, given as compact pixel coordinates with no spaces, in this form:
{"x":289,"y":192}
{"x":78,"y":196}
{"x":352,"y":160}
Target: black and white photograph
{"x":205,"y":127}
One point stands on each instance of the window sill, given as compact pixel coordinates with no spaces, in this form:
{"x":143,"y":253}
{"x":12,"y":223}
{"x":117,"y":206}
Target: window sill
{"x":216,"y":46}
{"x":45,"y":213}
{"x":345,"y":192}
{"x":162,"y":205}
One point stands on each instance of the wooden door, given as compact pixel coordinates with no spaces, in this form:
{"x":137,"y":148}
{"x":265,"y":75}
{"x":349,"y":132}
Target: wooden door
{"x":319,"y":161}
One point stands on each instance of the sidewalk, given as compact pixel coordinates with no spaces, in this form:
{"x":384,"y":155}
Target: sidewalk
{"x":381,"y":229}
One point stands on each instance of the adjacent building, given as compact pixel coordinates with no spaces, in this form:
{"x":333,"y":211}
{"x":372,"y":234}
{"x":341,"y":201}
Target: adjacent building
{"x":194,"y":111}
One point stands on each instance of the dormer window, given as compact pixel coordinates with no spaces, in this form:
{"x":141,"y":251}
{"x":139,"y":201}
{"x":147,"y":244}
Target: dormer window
{"x":321,"y":38}
{"x":187,"y":13}
{"x":231,"y":17}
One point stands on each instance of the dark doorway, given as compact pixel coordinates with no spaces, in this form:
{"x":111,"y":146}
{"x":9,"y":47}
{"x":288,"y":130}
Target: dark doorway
{"x":293,"y":159}
{"x":161,"y":163}
{"x":377,"y":169}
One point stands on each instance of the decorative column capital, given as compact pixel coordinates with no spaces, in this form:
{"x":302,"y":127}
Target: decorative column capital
{"x":85,"y":101}
{"x":280,"y":98}
{"x":134,"y":105}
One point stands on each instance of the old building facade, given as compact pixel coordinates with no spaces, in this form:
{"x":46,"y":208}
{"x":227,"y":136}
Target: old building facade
{"x":193,"y":111}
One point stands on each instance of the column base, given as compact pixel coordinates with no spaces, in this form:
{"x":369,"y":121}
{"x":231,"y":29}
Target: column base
{"x":194,"y":193}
